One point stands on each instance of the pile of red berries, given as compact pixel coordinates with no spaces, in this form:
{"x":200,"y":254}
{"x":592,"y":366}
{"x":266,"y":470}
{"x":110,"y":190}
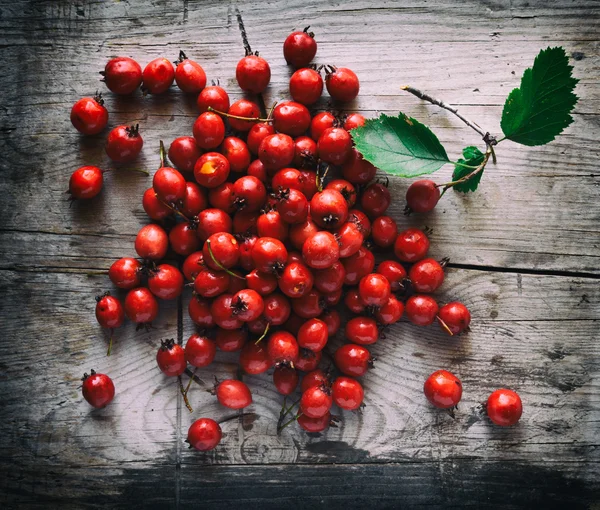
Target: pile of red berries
{"x":275,"y":221}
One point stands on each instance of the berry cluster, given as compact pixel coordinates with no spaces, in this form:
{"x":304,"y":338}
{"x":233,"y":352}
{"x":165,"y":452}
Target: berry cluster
{"x":278,"y":226}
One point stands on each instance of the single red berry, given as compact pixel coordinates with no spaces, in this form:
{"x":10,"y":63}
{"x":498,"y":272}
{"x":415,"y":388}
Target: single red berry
{"x":375,"y":200}
{"x":200,"y":351}
{"x":243,"y":108}
{"x":213,"y":221}
{"x":269,"y":255}
{"x":300,"y":232}
{"x":426,"y":275}
{"x":282,"y":348}
{"x":390,"y":312}
{"x":354,"y":120}
{"x":411,"y":245}
{"x":316,"y":402}
{"x":305,"y":152}
{"x":314,"y":424}
{"x":214,"y":97}
{"x":122,"y":75}
{"x":347,"y":393}
{"x":210,"y":283}
{"x":309,"y":305}
{"x":109,"y":311}
{"x":244,"y":222}
{"x":141,"y":306}
{"x":309,"y":183}
{"x":504,"y":407}
{"x":247,"y":242}
{"x":320,"y":123}
{"x":334,"y":146}
{"x":257,"y":169}
{"x":158,"y":76}
{"x":421,"y":310}
{"x":443,"y":389}
{"x":308,"y":360}
{"x":247,"y":305}
{"x":211,"y":170}
{"x":204,"y":434}
{"x":314,"y":378}
{"x":169,"y":185}
{"x":330,"y":280}
{"x":299,"y":48}
{"x":292,"y":205}
{"x":394,"y":273}
{"x":329,"y":209}
{"x":306,"y":86}
{"x":151,"y":242}
{"x":347,"y":190}
{"x":263,"y":283}
{"x":89,"y":116}
{"x":277,"y":309}
{"x":374,"y":289}
{"x":233,"y":394}
{"x":97,"y":389}
{"x":184,"y":152}
{"x":362,"y":331}
{"x":353,"y":360}
{"x":254,"y":358}
{"x":125,"y":273}
{"x":199,"y":311}
{"x":454,"y":318}
{"x":285,"y":379}
{"x":422,"y":196}
{"x":230,"y":340}
{"x":313,"y":335}
{"x":258,"y":132}
{"x":253,"y":74}
{"x":209,"y":130}
{"x":291,"y":118}
{"x":332,"y":298}
{"x":183,"y":239}
{"x":189,"y":75}
{"x":222,"y":311}
{"x":166,"y":282}
{"x":221,"y":250}
{"x":236,"y":283}
{"x":353,"y":301}
{"x":384,"y":231}
{"x":295,"y":280}
{"x":350,"y":238}
{"x":193,"y":264}
{"x":358,"y":170}
{"x":321,"y":250}
{"x":287,"y":178}
{"x":124,"y":143}
{"x":358,"y":265}
{"x":361,"y":220}
{"x":171,"y":358}
{"x":154,"y":207}
{"x":194,"y":200}
{"x":85,"y":182}
{"x":276,"y":151}
{"x":237,"y":153}
{"x":342,"y":84}
{"x":250,"y":193}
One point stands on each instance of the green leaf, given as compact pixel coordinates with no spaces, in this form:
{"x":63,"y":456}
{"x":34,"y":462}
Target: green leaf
{"x":473,"y":157}
{"x":400,"y":146}
{"x":539,"y":110}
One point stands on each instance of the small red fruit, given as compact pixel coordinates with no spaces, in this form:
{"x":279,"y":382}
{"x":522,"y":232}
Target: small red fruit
{"x":313,"y":335}
{"x":199,"y":311}
{"x":276,"y":151}
{"x":222,"y":312}
{"x":384,"y":231}
{"x":321,"y":250}
{"x":184,"y":152}
{"x":347,"y":393}
{"x":282,"y":348}
{"x":166,"y":282}
{"x":231,"y":340}
{"x":334,"y":146}
{"x":421,"y":310}
{"x":171,"y":358}
{"x":233,"y":394}
{"x":254,"y":358}
{"x":193,"y":264}
{"x":426,"y":275}
{"x":411,"y":245}
{"x":141,"y":306}
{"x":258,"y":132}
{"x":299,"y":48}
{"x":320,"y":123}
{"x":358,"y":265}
{"x":291,"y":118}
{"x":151,"y":242}
{"x":237,"y":153}
{"x":85,"y":182}
{"x":158,"y":76}
{"x":504,"y":407}
{"x":329,"y":209}
{"x":316,"y":402}
{"x":153,"y":207}
{"x":353,"y":120}
{"x":189,"y":75}
{"x":362,"y":331}
{"x":314,"y":425}
{"x":391,"y":312}
{"x":454,"y":318}
{"x":210,"y":283}
{"x":97,"y":389}
{"x":394,"y":273}
{"x":124,"y":143}
{"x":422,"y":196}
{"x":211,"y":169}
{"x":269,"y":255}
{"x":314,"y":378}
{"x":443,"y":389}
{"x":247,"y":305}
{"x":200,"y":351}
{"x":285,"y":379}
{"x":243,"y":108}
{"x":209,"y":130}
{"x":253,"y":74}
{"x":122,"y":75}
{"x":306,"y":86}
{"x":125,"y":273}
{"x":89,"y":116}
{"x":214,"y":97}
{"x":358,"y":170}
{"x":204,"y":434}
{"x":183,"y":239}
{"x":375,"y":200}
{"x":374,"y":290}
{"x":109,"y":311}
{"x":213,"y":221}
{"x":169,"y":185}
{"x":353,"y":360}
{"x":342,"y":84}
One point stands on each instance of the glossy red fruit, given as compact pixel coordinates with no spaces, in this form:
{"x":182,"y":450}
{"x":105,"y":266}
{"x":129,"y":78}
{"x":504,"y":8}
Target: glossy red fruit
{"x":214,"y":97}
{"x":411,"y":245}
{"x":314,"y":425}
{"x":331,"y":279}
{"x":222,"y":312}
{"x":250,"y":194}
{"x":141,"y":306}
{"x":204,"y":434}
{"x":243,"y":108}
{"x":394,"y":273}
{"x":233,"y":394}
{"x":353,"y":360}
{"x":421,"y":310}
{"x":347,"y":393}
{"x":375,"y":200}
{"x":362,"y":331}
{"x":350,"y":238}
{"x":189,"y":75}
{"x":334,"y":146}
{"x":308,"y":360}
{"x":358,"y":170}
{"x":305,"y":152}
{"x":237,"y":153}
{"x":122,"y":75}
{"x":353,"y":301}
{"x":285,"y":379}
{"x":263,"y":283}
{"x":384,"y":231}
{"x":504,"y":407}
{"x":276,"y":151}
{"x":166,"y":282}
{"x":221,"y":250}
{"x":86,"y":182}
{"x":258,"y":170}
{"x":295,"y":280}
{"x":277,"y":309}
{"x":200,"y":351}
{"x":426,"y":275}
{"x":153,"y":207}
{"x":292,"y":205}
{"x":306,"y":86}
{"x":422,"y":196}
{"x":230,"y":340}
{"x":314,"y":378}
{"x":313,"y":335}
{"x":269,"y":255}
{"x":171,"y":358}
{"x":183,"y":239}
{"x":316,"y":402}
{"x":321,"y":250}
{"x":124,"y":143}
{"x":193,"y":264}
{"x":443,"y":389}
{"x":361,"y":220}
{"x":258,"y":132}
{"x":151,"y":242}
{"x":169,"y":185}
{"x":158,"y":76}
{"x":346,"y":188}
{"x":353,"y":120}
{"x":329,"y":209}
{"x":374,"y":289}
{"x":299,"y":48}
{"x":184,"y":152}
{"x":291,"y":118}
{"x":320,"y":123}
{"x":199,"y":311}
{"x":300,"y":232}
{"x":89,"y":116}
{"x":454,"y":318}
{"x":109,"y":311}
{"x":342,"y":84}
{"x":310,"y":305}
{"x":244,"y":223}
{"x":247,"y":305}
{"x":282,"y":348}
{"x":358,"y":265}
{"x":209,"y":130}
{"x":391,"y":312}
{"x":125,"y":273}
{"x":210,"y":283}
{"x":213,"y":221}
{"x":253,"y":74}
{"x":194,"y":200}
{"x":97,"y":389}
{"x":254,"y":358}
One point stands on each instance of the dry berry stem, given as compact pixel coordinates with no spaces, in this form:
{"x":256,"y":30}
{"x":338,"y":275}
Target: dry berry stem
{"x":264,"y":333}
{"x":238,"y":117}
{"x":183,"y":393}
{"x":163,"y":156}
{"x":110,"y":342}
{"x":187,"y":388}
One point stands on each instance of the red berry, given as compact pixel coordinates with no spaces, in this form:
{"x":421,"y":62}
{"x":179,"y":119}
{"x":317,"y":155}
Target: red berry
{"x":361,"y":220}
{"x":141,"y":306}
{"x":347,"y":190}
{"x":243,"y":108}
{"x":125,"y":273}
{"x":287,"y":178}
{"x":204,"y":434}
{"x":246,"y":244}
{"x":124,"y":144}
{"x":309,"y":183}
{"x":189,"y":75}
{"x":374,"y":289}
{"x":411,"y":245}
{"x":210,"y":283}
{"x":244,"y":222}
{"x":86,"y":182}
{"x":247,"y":305}
{"x":358,"y":170}
{"x":183,"y":239}
{"x":258,"y":170}
{"x":375,"y":200}
{"x":282,"y":348}
{"x":358,"y":265}
{"x":292,"y":205}
{"x":215,"y":97}
{"x":254,"y":358}
{"x":421,"y":310}
{"x":233,"y":394}
{"x":384,"y":231}
{"x":443,"y":389}
{"x":193,"y":264}
{"x":236,"y":283}
{"x":314,"y":424}
{"x":171,"y":358}
{"x":153,"y":207}
{"x":237,"y":153}
{"x":258,"y":132}
{"x":300,"y":232}
{"x":213,"y":221}
{"x":390,"y":312}
{"x":291,"y":118}
{"x":330,"y":280}
{"x":362,"y":331}
{"x":422,"y":196}
{"x":308,"y":360}
{"x":353,"y":120}
{"x":250,"y":193}
{"x":316,"y":402}
{"x":347,"y":393}
{"x":263,"y":283}
{"x":299,"y":48}
{"x":426,"y":275}
{"x":321,"y":250}
{"x":394,"y":273}
{"x":199,"y":311}
{"x":295,"y":280}
{"x":349,"y":238}
{"x":221,"y":250}
{"x":253,"y":74}
{"x":230,"y":340}
{"x":285,"y":379}
{"x":329,"y":209}
{"x":332,"y":298}
{"x":222,"y":312}
{"x":200,"y":351}
{"x":352,"y":359}
{"x":276,"y":151}
{"x":320,"y":123}
{"x":504,"y":407}
{"x":353,"y":301}
{"x":269,"y":255}
{"x":122,"y":75}
{"x":151,"y":242}
{"x":109,"y":311}
{"x":277,"y":309}
{"x":306,"y":86}
{"x":98,"y":389}
{"x":454,"y":317}
{"x":209,"y":130}
{"x":194,"y":200}
{"x":334,"y":146}
{"x":342,"y":84}
{"x":305,"y":152}
{"x":313,"y":335}
{"x":314,"y":378}
{"x":309,"y":305}
{"x":158,"y":76}
{"x":166,"y":282}
{"x":89,"y":116}
{"x":184,"y":152}
{"x":169,"y":185}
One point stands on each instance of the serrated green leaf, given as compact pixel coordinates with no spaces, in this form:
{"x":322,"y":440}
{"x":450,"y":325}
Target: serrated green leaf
{"x":539,"y":110}
{"x":400,"y":146}
{"x":473,"y":157}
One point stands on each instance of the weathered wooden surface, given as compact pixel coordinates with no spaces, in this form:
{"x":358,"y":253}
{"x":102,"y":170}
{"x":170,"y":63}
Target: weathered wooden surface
{"x":525,"y":251}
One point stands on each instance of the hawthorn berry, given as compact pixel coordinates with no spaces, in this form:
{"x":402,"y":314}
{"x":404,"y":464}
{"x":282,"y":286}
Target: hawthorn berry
{"x":443,"y":389}
{"x":329,"y":209}
{"x":204,"y":434}
{"x":209,"y":130}
{"x":200,"y":351}
{"x":331,"y":279}
{"x":237,"y":153}
{"x":311,"y":304}
{"x":375,"y":200}
{"x":347,"y":393}
{"x":374,"y":289}
{"x":246,"y":109}
{"x":253,"y":74}
{"x":295,"y":280}
{"x":306,"y":86}
{"x":422,"y":196}
{"x":194,"y":200}
{"x":109,"y":311}
{"x":209,"y":283}
{"x":308,"y":360}
{"x":353,"y":120}
{"x":85,"y":182}
{"x":313,"y":335}
{"x":282,"y":348}
{"x":189,"y":75}
{"x":125,"y":273}
{"x":411,"y":245}
{"x":358,"y":265}
{"x":269,"y":255}
{"x":299,"y":48}
{"x":230,"y":340}
{"x":183,"y":239}
{"x":285,"y":379}
{"x":233,"y":394}
{"x":247,"y":305}
{"x":334,"y":146}
{"x":384,"y":231}
{"x":141,"y":306}
{"x":122,"y":75}
{"x":158,"y":76}
{"x":154,"y":207}
{"x":454,"y":318}
{"x":184,"y":152}
{"x":291,"y":118}
{"x":124,"y":143}
{"x":89,"y":115}
{"x":426,"y":275}
{"x":151,"y":242}
{"x":358,"y":170}
{"x":254,"y":358}
{"x":211,"y":170}
{"x":362,"y":330}
{"x":353,"y":360}
{"x":421,"y":310}
{"x":350,"y":238}
{"x":170,"y":358}
{"x":97,"y":389}
{"x":200,"y":313}
{"x":314,"y":424}
{"x":169,"y":185}
{"x":250,"y":193}
{"x":342,"y":84}
{"x":390,"y":312}
{"x":166,"y":282}
{"x":321,"y":250}
{"x":504,"y":407}
{"x":316,"y":402}
{"x":213,"y":97}
{"x":212,"y":221}
{"x":276,"y":151}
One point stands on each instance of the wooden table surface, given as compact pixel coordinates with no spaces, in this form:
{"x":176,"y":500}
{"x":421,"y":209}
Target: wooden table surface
{"x":524,"y":253}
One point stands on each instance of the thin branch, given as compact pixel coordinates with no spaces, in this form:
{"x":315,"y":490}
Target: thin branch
{"x":489,"y":151}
